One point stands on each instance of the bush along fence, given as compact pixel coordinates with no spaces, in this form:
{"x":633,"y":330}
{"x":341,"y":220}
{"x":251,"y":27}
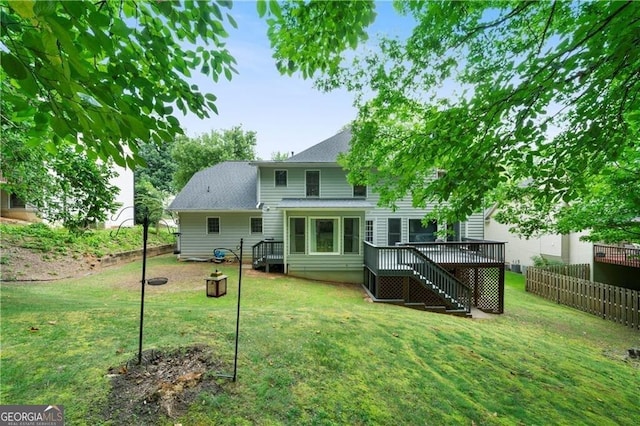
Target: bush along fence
{"x":610,"y":302}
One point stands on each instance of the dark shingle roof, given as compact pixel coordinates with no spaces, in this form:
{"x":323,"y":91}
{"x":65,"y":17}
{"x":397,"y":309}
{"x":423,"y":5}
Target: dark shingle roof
{"x":324,"y":152}
{"x":226,"y":186}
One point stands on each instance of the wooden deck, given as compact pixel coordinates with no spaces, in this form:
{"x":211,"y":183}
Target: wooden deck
{"x":399,"y":258}
{"x":469,"y":273}
{"x":439,"y":276}
{"x":623,"y":256}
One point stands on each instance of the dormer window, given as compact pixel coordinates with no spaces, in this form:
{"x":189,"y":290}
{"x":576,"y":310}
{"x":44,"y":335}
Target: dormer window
{"x":359,"y":191}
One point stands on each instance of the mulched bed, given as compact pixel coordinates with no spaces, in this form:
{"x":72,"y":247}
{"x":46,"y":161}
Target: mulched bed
{"x":165,"y":384}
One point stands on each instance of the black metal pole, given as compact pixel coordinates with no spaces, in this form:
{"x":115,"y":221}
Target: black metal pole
{"x":145,"y":233}
{"x":235,"y":359}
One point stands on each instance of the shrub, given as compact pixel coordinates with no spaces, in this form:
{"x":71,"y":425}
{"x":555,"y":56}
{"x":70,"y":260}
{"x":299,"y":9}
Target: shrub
{"x":541,"y":261}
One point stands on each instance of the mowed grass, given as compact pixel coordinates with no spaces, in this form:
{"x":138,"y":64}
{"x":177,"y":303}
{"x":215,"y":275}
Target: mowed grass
{"x":318,"y":353}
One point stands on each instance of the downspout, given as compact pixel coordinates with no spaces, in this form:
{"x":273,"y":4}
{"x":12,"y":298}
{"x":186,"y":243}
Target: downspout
{"x":285,"y":243}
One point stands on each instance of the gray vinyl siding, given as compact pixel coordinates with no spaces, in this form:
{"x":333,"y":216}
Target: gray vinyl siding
{"x":380,"y":216}
{"x":333,"y":184}
{"x":196,"y":242}
{"x":475,"y":226}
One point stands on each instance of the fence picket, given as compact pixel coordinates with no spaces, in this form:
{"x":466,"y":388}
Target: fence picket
{"x":569,"y":285}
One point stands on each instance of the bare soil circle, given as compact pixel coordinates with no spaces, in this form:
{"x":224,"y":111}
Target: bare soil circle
{"x":166,"y":383}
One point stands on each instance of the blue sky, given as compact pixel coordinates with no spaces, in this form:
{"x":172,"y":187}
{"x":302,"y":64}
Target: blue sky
{"x":287,"y":113}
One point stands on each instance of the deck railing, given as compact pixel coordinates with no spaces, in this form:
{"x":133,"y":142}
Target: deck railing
{"x":626,"y":256}
{"x":430,"y":272}
{"x":267,"y":251}
{"x":407,"y":258}
{"x":465,"y":251}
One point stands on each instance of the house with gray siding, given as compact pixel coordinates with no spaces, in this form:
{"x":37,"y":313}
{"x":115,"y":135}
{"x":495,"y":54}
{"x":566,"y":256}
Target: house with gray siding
{"x":304,"y":201}
{"x":301,"y":214}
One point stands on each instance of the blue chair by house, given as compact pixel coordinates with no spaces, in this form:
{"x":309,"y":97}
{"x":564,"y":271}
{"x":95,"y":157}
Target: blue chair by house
{"x":218,"y":256}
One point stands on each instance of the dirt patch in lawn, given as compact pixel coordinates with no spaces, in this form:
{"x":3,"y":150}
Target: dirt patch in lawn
{"x":22,"y":264}
{"x":166,"y":383}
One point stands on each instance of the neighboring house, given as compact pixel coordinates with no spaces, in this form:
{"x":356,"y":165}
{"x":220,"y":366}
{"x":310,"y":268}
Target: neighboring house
{"x":123,"y":180}
{"x":617,"y":265}
{"x":520,"y":251}
{"x":14,"y":208}
{"x":303,"y":216}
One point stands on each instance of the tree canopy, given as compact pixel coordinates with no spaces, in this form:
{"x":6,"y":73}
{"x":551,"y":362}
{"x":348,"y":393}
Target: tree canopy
{"x":493,"y":94}
{"x":194,"y":154}
{"x":159,"y":166}
{"x":65,"y":187}
{"x":106,"y":75}
{"x":496,"y":94}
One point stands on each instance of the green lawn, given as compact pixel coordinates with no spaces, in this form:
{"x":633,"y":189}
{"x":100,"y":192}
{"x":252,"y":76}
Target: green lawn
{"x":318,"y":353}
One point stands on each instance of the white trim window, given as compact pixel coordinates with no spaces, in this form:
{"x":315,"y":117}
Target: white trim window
{"x":359,"y":191}
{"x":324,"y":235}
{"x":394,"y":230}
{"x":351,"y":235}
{"x":418,"y":233}
{"x":297,"y":235}
{"x":213,"y":225}
{"x":280,"y":178}
{"x":368,"y":231}
{"x":312,"y":183}
{"x":256,"y":225}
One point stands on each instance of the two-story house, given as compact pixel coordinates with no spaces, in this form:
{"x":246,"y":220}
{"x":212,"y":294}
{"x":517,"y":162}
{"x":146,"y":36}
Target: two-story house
{"x":302,"y":215}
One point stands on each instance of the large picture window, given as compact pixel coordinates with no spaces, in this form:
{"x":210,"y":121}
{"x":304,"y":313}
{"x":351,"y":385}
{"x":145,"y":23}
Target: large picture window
{"x":313,"y":183}
{"x":297,"y":235}
{"x":351,"y":235}
{"x":418,"y":233}
{"x":324,"y":235}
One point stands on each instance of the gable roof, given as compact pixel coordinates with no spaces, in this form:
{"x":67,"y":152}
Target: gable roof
{"x":324,"y":152}
{"x":230,"y":185}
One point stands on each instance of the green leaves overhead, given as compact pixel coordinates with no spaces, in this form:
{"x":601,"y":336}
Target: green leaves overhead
{"x":310,"y":36}
{"x":105,"y":74}
{"x":495,"y":93}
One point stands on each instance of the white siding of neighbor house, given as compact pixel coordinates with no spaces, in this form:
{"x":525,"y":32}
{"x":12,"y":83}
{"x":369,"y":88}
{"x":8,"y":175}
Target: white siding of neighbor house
{"x":196,"y":242}
{"x":566,"y":248}
{"x":123,"y":180}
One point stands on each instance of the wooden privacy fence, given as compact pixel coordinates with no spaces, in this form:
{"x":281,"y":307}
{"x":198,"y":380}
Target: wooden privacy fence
{"x":613,"y":303}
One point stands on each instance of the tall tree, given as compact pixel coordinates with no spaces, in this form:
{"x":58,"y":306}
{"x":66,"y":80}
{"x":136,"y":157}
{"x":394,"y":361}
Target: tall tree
{"x":495,"y":93}
{"x":64,"y":186}
{"x":194,"y":154}
{"x":279,"y":156}
{"x":106,"y":75}
{"x":159,"y":166}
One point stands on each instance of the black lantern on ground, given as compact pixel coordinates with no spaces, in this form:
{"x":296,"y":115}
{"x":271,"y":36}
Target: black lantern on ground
{"x":216,"y":284}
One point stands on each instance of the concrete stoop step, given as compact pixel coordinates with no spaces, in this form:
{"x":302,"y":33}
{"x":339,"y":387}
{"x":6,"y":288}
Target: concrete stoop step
{"x":439,"y":309}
